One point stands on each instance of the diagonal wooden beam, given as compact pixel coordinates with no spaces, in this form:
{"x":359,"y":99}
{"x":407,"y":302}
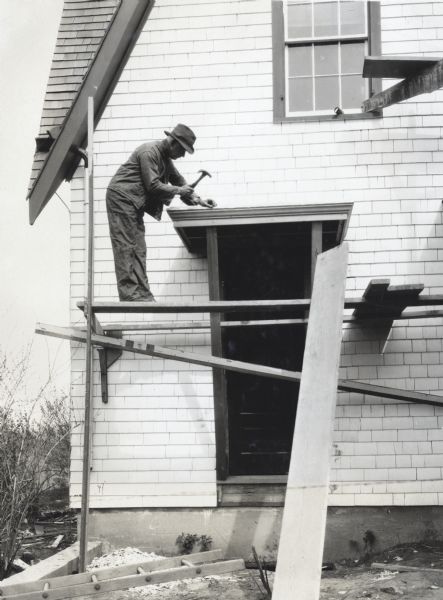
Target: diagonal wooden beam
{"x":77,"y":335}
{"x":426,"y":81}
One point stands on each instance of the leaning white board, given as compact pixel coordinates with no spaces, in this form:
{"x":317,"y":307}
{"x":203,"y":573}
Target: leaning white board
{"x":302,"y":535}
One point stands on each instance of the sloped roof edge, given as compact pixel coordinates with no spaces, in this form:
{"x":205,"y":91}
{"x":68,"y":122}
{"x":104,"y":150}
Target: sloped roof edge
{"x":99,"y":82}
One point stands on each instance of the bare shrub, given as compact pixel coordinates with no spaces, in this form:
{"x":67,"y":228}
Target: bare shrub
{"x":34,"y":450}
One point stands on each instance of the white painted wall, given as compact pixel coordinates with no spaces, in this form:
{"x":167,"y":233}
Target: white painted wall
{"x":208,"y":64}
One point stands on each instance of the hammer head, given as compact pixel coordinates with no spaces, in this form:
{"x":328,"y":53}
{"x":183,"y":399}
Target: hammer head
{"x":203,"y":173}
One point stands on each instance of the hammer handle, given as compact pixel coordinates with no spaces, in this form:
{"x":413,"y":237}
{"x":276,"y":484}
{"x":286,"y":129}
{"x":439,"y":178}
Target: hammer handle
{"x":197,"y":180}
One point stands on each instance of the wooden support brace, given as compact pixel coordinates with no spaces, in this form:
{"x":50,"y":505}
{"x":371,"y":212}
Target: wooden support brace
{"x":385,"y":301}
{"x":427,"y":80}
{"x":396,"y":67}
{"x":106,"y":358}
{"x":345,"y":385}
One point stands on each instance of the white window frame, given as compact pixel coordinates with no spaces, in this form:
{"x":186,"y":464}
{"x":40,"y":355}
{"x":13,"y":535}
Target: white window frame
{"x":312,"y":41}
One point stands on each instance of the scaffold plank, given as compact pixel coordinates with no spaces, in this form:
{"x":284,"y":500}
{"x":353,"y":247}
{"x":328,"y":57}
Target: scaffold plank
{"x":300,"y":549}
{"x":231,"y":306}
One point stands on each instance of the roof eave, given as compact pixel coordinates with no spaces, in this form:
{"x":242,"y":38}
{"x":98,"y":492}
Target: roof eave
{"x":99,"y":82}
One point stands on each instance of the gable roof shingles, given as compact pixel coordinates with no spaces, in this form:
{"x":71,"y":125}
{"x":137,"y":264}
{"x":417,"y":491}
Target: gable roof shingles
{"x":82,"y":28}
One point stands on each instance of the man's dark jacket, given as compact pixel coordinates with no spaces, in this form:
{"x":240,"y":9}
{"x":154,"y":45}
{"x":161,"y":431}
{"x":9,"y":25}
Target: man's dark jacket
{"x":143,"y":179}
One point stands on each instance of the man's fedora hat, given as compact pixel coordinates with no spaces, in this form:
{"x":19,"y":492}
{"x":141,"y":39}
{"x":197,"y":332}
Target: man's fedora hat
{"x":184,"y":136}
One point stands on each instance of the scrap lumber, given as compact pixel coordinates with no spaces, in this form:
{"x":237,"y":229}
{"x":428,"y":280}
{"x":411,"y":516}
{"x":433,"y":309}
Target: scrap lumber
{"x":20,"y":564}
{"x":57,"y":541}
{"x":300,"y":550}
{"x":77,"y":335}
{"x":403,"y":568}
{"x":426,"y":80}
{"x":123,"y":577}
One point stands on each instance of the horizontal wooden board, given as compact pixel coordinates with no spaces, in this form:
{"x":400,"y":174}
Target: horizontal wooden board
{"x":222,"y":306}
{"x":396,"y":67}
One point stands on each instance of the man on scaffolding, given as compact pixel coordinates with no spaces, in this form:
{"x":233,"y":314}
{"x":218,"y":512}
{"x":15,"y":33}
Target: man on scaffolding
{"x":144,"y":183}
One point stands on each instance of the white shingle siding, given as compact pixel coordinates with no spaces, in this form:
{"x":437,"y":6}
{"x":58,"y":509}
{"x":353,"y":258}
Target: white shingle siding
{"x":208,"y":64}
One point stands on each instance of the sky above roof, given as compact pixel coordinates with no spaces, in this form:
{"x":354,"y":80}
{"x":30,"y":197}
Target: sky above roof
{"x":34,"y":261}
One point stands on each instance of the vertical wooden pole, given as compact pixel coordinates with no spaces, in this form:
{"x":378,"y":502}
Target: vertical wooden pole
{"x":88,"y":423}
{"x":302,"y":535}
{"x":316,"y":247}
{"x":219,"y":377}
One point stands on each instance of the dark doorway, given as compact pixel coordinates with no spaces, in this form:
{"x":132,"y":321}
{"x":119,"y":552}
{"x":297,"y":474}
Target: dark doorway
{"x":256,"y":263}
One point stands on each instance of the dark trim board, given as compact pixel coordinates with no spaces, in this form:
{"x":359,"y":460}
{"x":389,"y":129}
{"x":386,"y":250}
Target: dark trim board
{"x":99,"y":83}
{"x":219,"y":376}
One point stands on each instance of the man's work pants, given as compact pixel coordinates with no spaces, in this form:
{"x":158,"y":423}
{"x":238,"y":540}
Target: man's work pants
{"x":127,"y":231}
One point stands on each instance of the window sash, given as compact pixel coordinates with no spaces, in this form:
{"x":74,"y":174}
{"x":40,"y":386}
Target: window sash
{"x":339,"y":75}
{"x":314,"y":37}
{"x":314,"y":41}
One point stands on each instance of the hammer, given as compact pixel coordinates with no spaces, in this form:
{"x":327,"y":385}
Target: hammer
{"x":203,"y":174}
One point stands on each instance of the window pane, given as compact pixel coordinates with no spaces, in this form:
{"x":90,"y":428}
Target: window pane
{"x":326,"y":59}
{"x":300,"y":60}
{"x":326,"y":93}
{"x":352,"y":17}
{"x":352,"y":57}
{"x":353,"y":91}
{"x":300,"y":94}
{"x":300,"y":20}
{"x":325,"y":18}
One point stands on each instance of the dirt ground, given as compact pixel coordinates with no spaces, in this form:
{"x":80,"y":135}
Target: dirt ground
{"x":349,"y":580}
{"x":246,"y":586}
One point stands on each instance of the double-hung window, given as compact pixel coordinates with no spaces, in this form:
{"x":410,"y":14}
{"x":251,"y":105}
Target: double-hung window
{"x":319,"y":50}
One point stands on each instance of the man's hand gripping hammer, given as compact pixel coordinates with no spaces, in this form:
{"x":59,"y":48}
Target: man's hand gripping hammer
{"x":206,"y":203}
